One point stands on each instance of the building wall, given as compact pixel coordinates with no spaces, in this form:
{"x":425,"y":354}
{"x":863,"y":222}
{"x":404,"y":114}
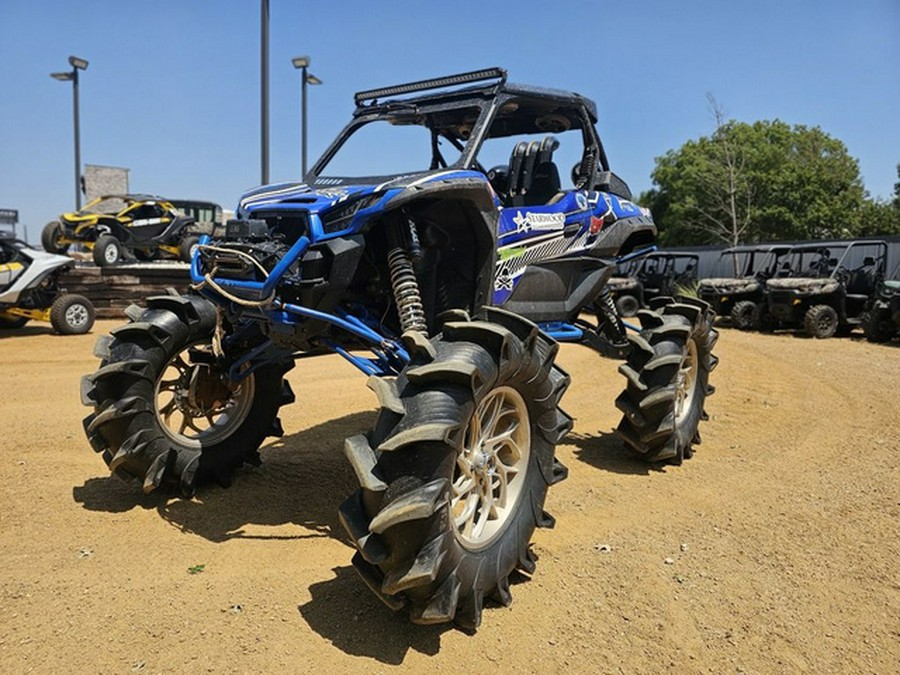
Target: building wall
{"x":104,"y":180}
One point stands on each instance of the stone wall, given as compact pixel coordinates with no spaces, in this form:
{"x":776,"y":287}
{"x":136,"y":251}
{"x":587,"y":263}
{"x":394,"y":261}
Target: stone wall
{"x":104,"y":180}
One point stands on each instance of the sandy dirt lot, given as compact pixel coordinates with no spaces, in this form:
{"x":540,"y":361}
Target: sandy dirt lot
{"x":774,"y":550}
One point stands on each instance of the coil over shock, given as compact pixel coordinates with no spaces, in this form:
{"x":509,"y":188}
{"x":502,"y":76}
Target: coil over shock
{"x":611,"y":325}
{"x":404,"y":284}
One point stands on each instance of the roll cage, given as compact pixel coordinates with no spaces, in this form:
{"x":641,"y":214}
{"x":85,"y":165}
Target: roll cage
{"x":836,"y":260}
{"x":500,"y":110}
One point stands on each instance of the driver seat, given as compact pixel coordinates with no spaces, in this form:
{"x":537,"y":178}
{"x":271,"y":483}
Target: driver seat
{"x":533,"y":177}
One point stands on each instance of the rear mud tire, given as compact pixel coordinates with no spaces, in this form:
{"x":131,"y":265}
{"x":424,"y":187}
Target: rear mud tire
{"x":50,"y":236}
{"x":72,"y":314}
{"x":820,"y":322}
{"x":454,"y":475}
{"x":107,"y":250}
{"x":742,"y":314}
{"x":668,"y":372}
{"x":134,"y":405}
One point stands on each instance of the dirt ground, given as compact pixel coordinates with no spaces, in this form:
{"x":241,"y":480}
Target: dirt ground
{"x":774,"y":550}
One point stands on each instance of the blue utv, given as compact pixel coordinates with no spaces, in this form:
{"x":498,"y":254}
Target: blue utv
{"x":445,"y":241}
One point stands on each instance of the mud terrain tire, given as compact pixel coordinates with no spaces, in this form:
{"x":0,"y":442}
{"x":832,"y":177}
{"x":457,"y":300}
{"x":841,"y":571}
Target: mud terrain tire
{"x":130,"y":424}
{"x":454,"y":475}
{"x":820,"y":321}
{"x":742,"y":314}
{"x":668,"y":379}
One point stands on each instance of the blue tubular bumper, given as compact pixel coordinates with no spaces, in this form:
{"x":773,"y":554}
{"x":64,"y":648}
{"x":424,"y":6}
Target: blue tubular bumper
{"x":257,"y":290}
{"x":390,"y":356}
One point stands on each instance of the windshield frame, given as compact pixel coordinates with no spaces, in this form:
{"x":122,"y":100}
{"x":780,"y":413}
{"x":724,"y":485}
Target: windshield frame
{"x":490,"y":104}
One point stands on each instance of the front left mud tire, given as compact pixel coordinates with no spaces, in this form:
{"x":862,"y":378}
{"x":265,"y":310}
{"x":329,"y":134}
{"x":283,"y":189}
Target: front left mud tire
{"x":165,"y":413}
{"x":454,"y":475}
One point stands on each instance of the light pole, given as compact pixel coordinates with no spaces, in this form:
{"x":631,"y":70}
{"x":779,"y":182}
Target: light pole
{"x":302,"y":63}
{"x":264,"y":88}
{"x":77,"y":64}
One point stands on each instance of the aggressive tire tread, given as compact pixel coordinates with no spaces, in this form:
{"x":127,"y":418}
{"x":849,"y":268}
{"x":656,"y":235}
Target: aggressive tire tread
{"x":649,"y":423}
{"x":125,"y":426}
{"x":413,"y":450}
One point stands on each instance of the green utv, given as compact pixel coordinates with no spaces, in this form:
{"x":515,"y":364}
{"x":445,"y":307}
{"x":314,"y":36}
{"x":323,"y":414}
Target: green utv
{"x":882,"y":321}
{"x":824,"y":287}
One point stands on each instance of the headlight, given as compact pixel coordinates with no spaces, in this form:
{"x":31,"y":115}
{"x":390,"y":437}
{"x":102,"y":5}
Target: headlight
{"x":339,"y":217}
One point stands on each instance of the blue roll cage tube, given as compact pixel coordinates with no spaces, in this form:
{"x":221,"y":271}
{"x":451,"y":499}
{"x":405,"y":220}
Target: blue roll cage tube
{"x":390,"y":357}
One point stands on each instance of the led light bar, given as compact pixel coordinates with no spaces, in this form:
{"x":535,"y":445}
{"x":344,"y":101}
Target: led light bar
{"x":436,"y":83}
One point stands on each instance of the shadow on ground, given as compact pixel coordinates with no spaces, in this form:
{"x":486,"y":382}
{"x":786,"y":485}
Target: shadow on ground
{"x":303,"y":479}
{"x":343,"y":612}
{"x":37,"y":328}
{"x":608,"y":452}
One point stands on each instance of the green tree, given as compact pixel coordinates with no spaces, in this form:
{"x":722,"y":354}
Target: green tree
{"x":757,"y":182}
{"x":896,"y":202}
{"x":879,"y":219}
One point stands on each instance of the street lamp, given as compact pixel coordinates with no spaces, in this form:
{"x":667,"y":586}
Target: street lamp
{"x":72,"y":75}
{"x":264,"y":89}
{"x":302,"y":64}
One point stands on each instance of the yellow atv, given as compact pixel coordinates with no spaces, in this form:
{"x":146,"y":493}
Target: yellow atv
{"x":117,"y":227}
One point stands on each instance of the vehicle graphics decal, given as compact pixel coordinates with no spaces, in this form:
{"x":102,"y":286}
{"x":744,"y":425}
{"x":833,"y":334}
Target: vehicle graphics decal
{"x":582,"y":200}
{"x":539,"y":221}
{"x":272,"y":195}
{"x":513,"y":259}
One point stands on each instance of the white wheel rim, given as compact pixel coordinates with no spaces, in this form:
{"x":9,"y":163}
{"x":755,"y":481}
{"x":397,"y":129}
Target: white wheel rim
{"x":111,"y":253}
{"x":686,"y":382}
{"x":192,"y":422}
{"x":76,"y":316}
{"x":491,"y":469}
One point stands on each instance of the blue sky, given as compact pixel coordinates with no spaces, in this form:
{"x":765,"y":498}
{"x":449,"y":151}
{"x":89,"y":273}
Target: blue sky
{"x":172,"y":90}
